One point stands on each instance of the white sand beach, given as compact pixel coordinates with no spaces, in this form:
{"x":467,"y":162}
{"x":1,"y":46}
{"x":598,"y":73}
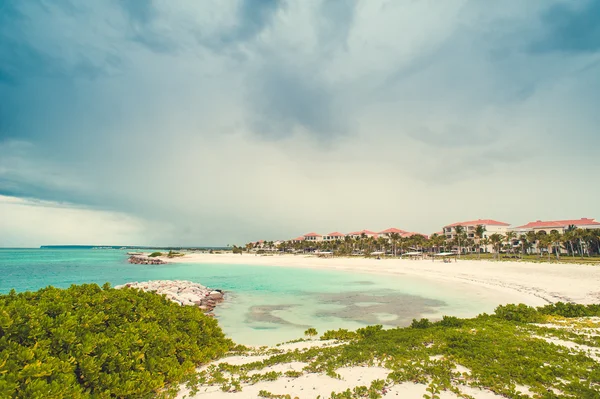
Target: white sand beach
{"x":508,"y":282}
{"x":513,"y":281}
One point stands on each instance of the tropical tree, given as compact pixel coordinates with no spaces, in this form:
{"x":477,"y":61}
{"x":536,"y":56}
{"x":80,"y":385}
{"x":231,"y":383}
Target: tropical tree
{"x":568,"y":237}
{"x":459,"y":230}
{"x":525,"y":244}
{"x":479,"y":232}
{"x":556,"y":240}
{"x":496,"y":240}
{"x":545,"y":241}
{"x":485,"y":242}
{"x":510,"y":236}
{"x":531,"y":238}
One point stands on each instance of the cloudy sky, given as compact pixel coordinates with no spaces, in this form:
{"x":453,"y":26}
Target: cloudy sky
{"x":221,"y":121}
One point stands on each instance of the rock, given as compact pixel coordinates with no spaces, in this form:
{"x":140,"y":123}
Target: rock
{"x":216,"y":295}
{"x":184,"y":293}
{"x":144,"y":260}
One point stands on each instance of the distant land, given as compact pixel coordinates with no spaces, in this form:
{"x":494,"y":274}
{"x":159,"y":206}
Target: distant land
{"x":126,"y":247}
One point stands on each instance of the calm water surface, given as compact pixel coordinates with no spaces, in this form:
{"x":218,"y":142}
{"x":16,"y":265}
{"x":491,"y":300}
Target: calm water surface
{"x":265,"y":304}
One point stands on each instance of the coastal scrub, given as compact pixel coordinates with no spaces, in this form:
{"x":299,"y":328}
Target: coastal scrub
{"x":93,"y":342}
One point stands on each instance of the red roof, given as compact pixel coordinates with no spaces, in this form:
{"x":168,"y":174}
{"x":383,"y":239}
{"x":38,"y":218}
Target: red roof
{"x":483,"y":222}
{"x":312,"y":235}
{"x":392,"y":230}
{"x":298,"y":239}
{"x":336,"y":234}
{"x":367,"y":232}
{"x":560,"y":223}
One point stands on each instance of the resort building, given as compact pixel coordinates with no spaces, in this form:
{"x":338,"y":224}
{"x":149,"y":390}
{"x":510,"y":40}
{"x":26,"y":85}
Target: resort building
{"x":560,"y":226}
{"x":334,"y":236}
{"x":297,"y":239}
{"x":491,"y":227}
{"x":359,"y":234}
{"x":387,"y":233}
{"x":470,"y":227}
{"x":313,"y":237}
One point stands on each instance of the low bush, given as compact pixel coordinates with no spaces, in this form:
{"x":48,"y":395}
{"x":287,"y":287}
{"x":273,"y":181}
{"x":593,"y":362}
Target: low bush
{"x":520,"y":313}
{"x":155,"y":254}
{"x":92,"y":342}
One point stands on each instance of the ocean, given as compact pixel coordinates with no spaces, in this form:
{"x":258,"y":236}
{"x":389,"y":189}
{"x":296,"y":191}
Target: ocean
{"x":264,"y":304}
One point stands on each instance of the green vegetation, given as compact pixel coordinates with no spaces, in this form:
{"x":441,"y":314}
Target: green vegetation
{"x":92,"y":342}
{"x":155,"y":254}
{"x":575,"y":245}
{"x":174,"y":254}
{"x":311,"y":332}
{"x":502,"y":352}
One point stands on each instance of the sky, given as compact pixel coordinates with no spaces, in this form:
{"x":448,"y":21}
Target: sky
{"x":219,"y":122}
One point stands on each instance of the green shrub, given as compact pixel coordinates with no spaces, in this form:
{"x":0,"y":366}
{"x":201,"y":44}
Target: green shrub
{"x":342,"y":334}
{"x":311,"y":332}
{"x":519,"y":313}
{"x":451,"y":321}
{"x":155,"y":254}
{"x":423,"y":323}
{"x":570,"y":310}
{"x":92,"y":342}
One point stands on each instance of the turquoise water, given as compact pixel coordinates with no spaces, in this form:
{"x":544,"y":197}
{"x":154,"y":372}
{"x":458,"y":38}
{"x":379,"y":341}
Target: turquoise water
{"x":264,"y":304}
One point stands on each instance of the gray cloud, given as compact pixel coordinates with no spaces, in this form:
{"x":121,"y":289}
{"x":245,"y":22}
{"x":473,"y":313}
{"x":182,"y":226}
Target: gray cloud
{"x":571,"y":27}
{"x":228,"y":121}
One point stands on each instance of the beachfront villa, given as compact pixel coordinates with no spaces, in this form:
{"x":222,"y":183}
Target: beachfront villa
{"x":392,"y":230}
{"x":337,"y":236}
{"x":313,"y":237}
{"x":560,"y":226}
{"x":366,"y":233}
{"x":470,"y":227}
{"x":491,"y":227}
{"x":334,"y":236}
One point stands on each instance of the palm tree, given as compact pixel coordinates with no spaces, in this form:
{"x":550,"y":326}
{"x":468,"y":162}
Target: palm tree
{"x":531,"y":237}
{"x":556,"y":238}
{"x":545,"y":241}
{"x":486,"y":242}
{"x":525,"y":244}
{"x":496,"y":239}
{"x":510,"y":236}
{"x":581,"y":236}
{"x":459,"y":230}
{"x":540,"y":237}
{"x":569,"y":236}
{"x":479,"y":231}
{"x":394,"y":237}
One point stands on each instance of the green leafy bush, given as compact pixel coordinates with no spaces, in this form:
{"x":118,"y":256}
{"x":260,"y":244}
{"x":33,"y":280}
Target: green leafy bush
{"x":570,"y":310}
{"x":423,"y":323}
{"x":92,"y":342}
{"x":342,"y":335}
{"x":520,"y":313}
{"x":155,"y":254}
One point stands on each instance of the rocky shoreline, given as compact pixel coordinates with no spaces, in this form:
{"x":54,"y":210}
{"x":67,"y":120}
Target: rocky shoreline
{"x":144,"y":260}
{"x":184,"y":293}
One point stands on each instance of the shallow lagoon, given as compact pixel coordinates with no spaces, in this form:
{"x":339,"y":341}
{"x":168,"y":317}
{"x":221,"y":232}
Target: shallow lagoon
{"x":264,"y":304}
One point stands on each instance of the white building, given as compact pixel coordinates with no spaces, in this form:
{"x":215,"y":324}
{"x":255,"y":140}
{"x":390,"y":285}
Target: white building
{"x":491,"y":227}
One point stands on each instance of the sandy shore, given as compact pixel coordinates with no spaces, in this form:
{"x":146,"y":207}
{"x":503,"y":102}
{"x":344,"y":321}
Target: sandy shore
{"x":517,"y":282}
{"x":319,"y":385}
{"x":508,"y":282}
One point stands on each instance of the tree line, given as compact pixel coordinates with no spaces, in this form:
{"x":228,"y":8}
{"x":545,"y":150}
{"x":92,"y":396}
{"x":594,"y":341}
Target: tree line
{"x":572,"y":242}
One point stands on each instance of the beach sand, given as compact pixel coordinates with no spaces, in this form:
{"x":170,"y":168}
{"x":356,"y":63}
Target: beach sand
{"x":518,"y":282}
{"x":514,"y":282}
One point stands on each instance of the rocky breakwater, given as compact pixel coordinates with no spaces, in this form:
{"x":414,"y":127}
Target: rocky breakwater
{"x":144,"y":260}
{"x":184,"y":293}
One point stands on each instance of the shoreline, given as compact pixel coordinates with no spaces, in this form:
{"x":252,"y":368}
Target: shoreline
{"x":527,"y":282}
